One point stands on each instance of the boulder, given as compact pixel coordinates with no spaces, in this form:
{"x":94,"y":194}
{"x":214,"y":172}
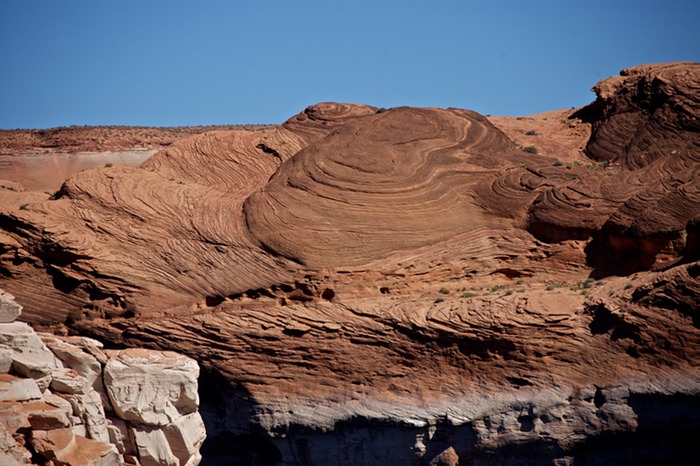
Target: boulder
{"x":37,"y":366}
{"x":89,"y":409}
{"x":43,"y":416}
{"x":74,"y":357}
{"x":119,"y":436}
{"x":63,"y":447}
{"x":12,"y":453}
{"x":175,"y":444}
{"x":69,"y":381}
{"x":153,"y":447}
{"x":9,"y":309}
{"x":447,"y":457}
{"x":30,"y":357}
{"x":13,"y":418}
{"x":66,"y":424}
{"x":151,"y":387}
{"x":5,"y":360}
{"x":59,"y":402}
{"x":20,"y":337}
{"x":185,"y":437}
{"x":15,"y":389}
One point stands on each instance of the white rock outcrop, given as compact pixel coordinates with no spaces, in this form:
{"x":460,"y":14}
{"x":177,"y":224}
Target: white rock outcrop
{"x":80,"y":405}
{"x":151,"y":387}
{"x":9,"y":309}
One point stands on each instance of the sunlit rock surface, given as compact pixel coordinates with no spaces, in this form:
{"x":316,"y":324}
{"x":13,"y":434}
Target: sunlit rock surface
{"x":63,"y":414}
{"x":400,"y":286}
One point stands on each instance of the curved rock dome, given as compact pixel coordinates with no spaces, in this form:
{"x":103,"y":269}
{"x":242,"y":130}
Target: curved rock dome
{"x":394,"y":180}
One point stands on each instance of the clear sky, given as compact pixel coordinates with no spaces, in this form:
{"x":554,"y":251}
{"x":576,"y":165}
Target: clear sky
{"x":177,"y":62}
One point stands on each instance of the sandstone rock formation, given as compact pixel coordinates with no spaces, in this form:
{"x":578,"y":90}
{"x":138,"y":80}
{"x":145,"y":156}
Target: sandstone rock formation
{"x":54,"y":408}
{"x":401,"y":286}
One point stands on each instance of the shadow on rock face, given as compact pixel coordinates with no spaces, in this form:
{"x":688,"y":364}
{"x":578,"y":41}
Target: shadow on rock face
{"x":228,"y":414}
{"x":667,"y":428}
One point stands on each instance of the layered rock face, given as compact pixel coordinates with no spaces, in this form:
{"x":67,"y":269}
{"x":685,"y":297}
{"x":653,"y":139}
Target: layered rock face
{"x":390,"y":181}
{"x":405,"y":286}
{"x":66,"y":401}
{"x":645,"y":122}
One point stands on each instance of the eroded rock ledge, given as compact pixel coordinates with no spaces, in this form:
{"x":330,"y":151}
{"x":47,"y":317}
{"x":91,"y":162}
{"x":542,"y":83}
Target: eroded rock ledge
{"x":67,"y":401}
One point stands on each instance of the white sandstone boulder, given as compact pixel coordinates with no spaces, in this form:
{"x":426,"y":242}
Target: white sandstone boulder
{"x":88,"y":408}
{"x":15,"y":389}
{"x":9,"y":309}
{"x":69,"y":381}
{"x":74,"y":357}
{"x":5,"y":360}
{"x":62,"y":446}
{"x":151,"y":387}
{"x":185,"y":437}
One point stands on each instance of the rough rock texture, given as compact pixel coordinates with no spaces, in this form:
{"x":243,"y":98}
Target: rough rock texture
{"x":66,"y":422}
{"x":387,"y":182}
{"x":646,"y":123}
{"x":63,"y":447}
{"x":9,"y":309}
{"x":401,"y":286}
{"x":153,"y":388}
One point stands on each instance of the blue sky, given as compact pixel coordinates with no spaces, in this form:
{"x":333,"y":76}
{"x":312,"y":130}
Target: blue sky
{"x":176,"y":62}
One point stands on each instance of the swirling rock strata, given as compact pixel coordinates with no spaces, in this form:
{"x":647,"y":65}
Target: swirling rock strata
{"x":647,"y":113}
{"x":389,"y":181}
{"x":645,"y":132}
{"x":410,"y":280}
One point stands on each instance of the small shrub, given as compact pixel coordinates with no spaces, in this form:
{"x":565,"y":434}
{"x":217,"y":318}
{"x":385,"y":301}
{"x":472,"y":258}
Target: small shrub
{"x":531,"y":132}
{"x":550,"y":287}
{"x":530,"y":149}
{"x":495,"y":287}
{"x":509,"y":292}
{"x":558,"y":163}
{"x":381,"y":110}
{"x":108,"y":165}
{"x":439,"y":300}
{"x":519,"y":282}
{"x":469,"y":294}
{"x":584,"y":292}
{"x":444,"y":291}
{"x":628,"y":286}
{"x":23,"y":207}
